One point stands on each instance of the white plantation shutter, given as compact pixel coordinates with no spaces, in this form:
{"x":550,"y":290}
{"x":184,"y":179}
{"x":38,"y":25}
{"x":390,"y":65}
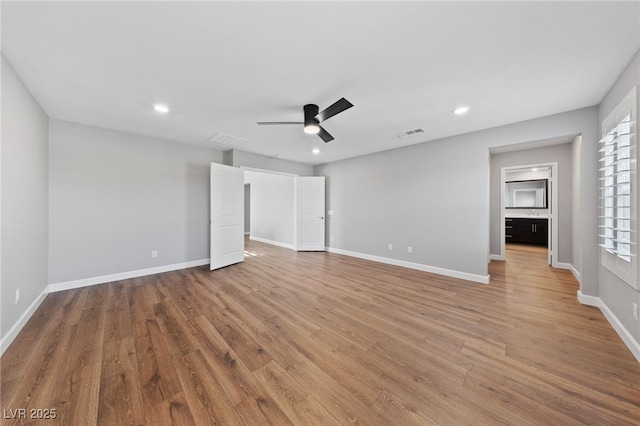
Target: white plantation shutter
{"x":615,"y":178}
{"x":618,"y":192}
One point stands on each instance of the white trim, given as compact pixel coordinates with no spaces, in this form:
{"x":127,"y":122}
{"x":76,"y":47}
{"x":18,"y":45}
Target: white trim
{"x":627,"y":338}
{"x":247,"y":233}
{"x":496,"y":257}
{"x":270,"y":172}
{"x":482,"y":279}
{"x":588,"y":300}
{"x":8,"y":338}
{"x":570,"y":267}
{"x":68,"y":285}
{"x":273,"y":243}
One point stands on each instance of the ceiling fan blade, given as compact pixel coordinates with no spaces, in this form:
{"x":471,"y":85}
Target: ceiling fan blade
{"x":270,"y":123}
{"x":324,"y":135}
{"x":336,"y":108}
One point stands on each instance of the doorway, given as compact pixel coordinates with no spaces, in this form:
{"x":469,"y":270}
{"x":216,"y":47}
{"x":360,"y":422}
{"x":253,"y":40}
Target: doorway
{"x":285,"y":210}
{"x":533,"y":219}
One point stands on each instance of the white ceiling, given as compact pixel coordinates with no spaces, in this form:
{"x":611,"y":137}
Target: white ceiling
{"x":222,"y":66}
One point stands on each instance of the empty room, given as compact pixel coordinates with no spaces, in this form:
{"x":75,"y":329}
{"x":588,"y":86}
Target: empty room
{"x":319,"y":213}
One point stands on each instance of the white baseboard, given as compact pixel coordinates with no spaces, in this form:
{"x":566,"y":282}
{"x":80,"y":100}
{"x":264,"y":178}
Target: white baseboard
{"x":627,"y":338}
{"x":247,"y":233}
{"x":482,"y":279}
{"x":13,"y":332}
{"x":498,"y":257}
{"x":570,"y":267}
{"x":588,"y":300}
{"x":273,"y":243}
{"x":575,"y":273}
{"x":68,"y":285}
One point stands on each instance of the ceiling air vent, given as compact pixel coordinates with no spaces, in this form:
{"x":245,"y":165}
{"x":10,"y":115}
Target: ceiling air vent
{"x":409,"y":134}
{"x":226,"y":140}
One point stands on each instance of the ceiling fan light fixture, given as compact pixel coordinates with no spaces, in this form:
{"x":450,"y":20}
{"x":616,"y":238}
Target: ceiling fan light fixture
{"x":313,"y":117}
{"x":312,"y":128}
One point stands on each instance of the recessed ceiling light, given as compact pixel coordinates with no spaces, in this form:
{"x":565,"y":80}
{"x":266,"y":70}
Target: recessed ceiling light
{"x":461,"y":110}
{"x":316,"y":151}
{"x":535,"y":169}
{"x":161,"y":108}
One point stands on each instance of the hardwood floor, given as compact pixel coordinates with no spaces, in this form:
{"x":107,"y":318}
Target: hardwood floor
{"x":320,"y":338}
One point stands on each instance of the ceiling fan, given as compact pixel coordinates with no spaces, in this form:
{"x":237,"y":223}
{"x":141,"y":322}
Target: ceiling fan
{"x":313,"y":118}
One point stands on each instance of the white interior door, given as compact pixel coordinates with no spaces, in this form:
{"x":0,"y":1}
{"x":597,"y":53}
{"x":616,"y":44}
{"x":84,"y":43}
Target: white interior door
{"x":309,"y":214}
{"x":227,"y":215}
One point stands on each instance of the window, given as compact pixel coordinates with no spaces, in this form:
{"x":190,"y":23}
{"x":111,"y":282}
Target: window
{"x":618,"y":193}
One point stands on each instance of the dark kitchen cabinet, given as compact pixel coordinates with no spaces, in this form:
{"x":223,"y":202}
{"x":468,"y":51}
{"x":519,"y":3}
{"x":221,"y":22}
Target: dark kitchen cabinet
{"x":527,"y":231}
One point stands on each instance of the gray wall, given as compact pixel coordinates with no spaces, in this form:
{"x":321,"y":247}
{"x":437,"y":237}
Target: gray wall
{"x":434,"y":196}
{"x":271,"y":207}
{"x":428,"y":196}
{"x":547,"y":154}
{"x":25,"y":198}
{"x":239,"y":158}
{"x":617,"y":295}
{"x":115,"y":197}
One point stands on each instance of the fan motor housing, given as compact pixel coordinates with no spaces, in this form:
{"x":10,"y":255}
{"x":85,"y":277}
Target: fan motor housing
{"x":310,"y":111}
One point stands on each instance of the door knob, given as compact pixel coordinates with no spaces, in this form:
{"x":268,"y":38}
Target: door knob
{"x":321,"y":217}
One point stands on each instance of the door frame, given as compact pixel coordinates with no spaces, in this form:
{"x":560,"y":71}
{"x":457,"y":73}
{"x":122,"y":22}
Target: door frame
{"x":552,"y":257}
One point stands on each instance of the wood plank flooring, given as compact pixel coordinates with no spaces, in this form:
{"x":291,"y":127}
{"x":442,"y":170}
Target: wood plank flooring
{"x":323,"y":339}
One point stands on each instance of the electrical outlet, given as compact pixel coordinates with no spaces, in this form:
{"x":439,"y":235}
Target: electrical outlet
{"x":17,"y":295}
{"x":409,"y":249}
{"x":154,"y":253}
{"x":635,"y":311}
{"x":389,"y":246}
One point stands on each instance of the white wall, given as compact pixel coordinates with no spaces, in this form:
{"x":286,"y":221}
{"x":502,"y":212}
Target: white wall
{"x":115,"y":197}
{"x":25,"y":200}
{"x":616,"y":295}
{"x":547,"y":154}
{"x":435,"y":197}
{"x":271,"y":207}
